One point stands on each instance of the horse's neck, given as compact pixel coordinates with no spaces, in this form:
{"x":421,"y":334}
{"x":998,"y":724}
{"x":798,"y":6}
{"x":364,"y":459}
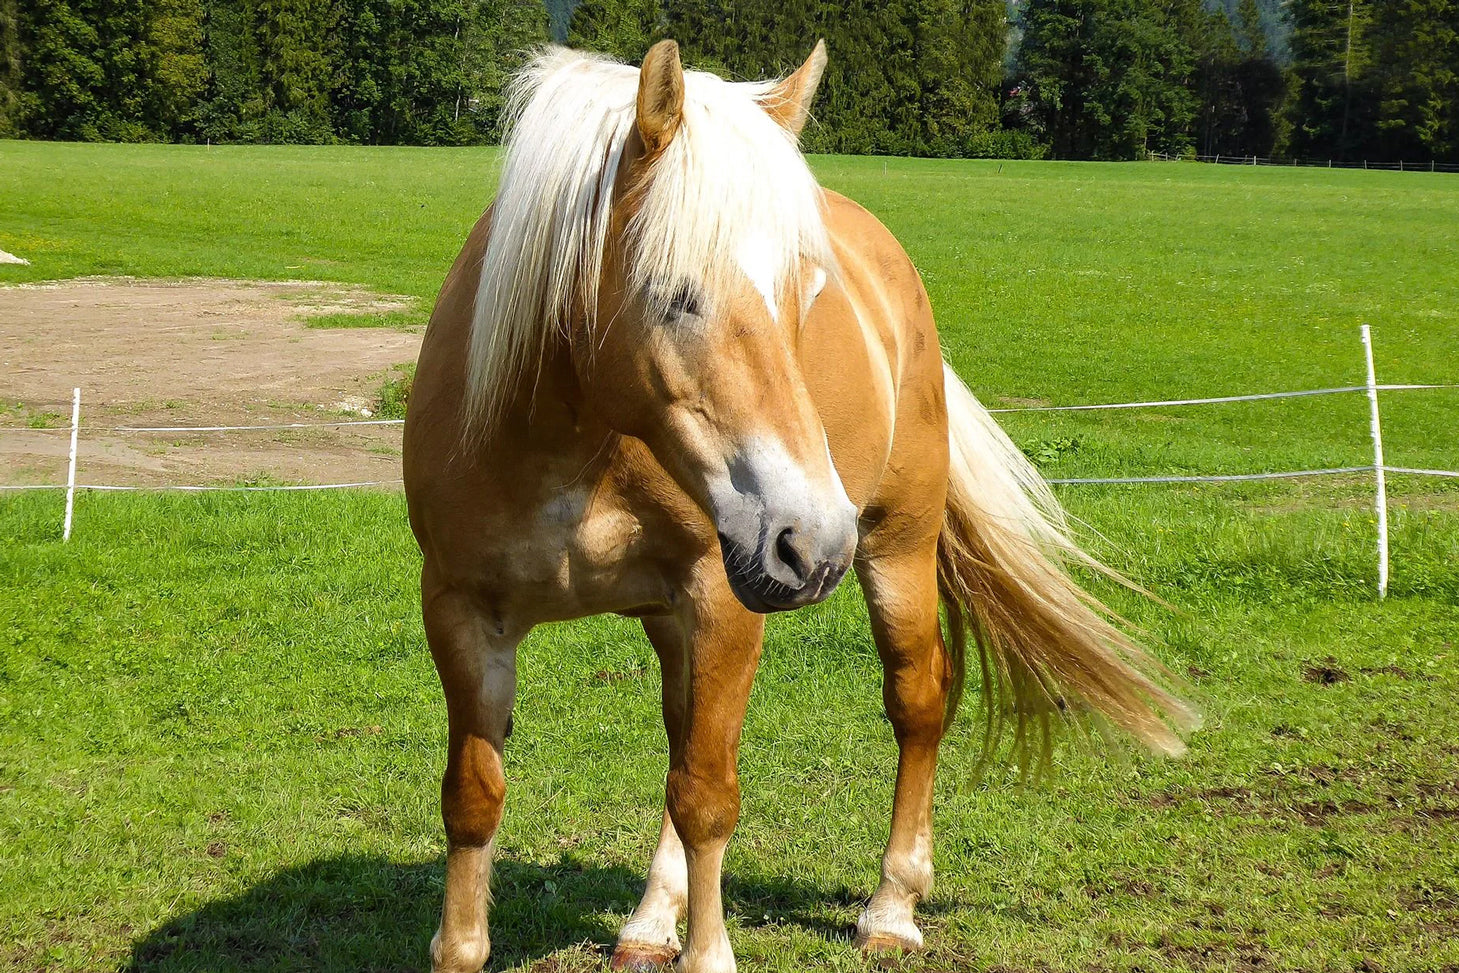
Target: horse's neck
{"x":549,"y":421}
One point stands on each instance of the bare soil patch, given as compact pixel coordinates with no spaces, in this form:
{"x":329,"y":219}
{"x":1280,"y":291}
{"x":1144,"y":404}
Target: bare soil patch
{"x":1325,"y":673}
{"x":190,"y":353}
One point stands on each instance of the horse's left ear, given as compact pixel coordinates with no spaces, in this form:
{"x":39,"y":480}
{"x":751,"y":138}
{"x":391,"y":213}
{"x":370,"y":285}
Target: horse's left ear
{"x":660,"y":96}
{"x":789,"y":102}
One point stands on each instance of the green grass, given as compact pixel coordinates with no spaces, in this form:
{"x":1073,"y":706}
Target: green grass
{"x":416,"y":318}
{"x":1066,"y":282}
{"x":220,"y":734}
{"x":395,"y":393}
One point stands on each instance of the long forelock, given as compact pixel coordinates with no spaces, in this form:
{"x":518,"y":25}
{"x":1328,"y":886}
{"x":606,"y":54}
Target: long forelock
{"x":730,"y":183}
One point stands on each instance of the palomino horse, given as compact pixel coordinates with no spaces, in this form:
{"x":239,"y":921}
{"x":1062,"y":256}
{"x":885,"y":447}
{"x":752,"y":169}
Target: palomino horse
{"x":671,"y":377}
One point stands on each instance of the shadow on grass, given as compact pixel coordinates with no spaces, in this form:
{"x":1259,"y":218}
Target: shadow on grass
{"x":368,"y":913}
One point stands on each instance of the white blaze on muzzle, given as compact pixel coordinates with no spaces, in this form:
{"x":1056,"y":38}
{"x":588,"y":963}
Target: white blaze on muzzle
{"x":764,"y":493}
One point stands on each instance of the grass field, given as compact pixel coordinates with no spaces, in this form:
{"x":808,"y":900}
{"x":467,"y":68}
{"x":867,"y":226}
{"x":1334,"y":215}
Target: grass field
{"x":220,"y":734}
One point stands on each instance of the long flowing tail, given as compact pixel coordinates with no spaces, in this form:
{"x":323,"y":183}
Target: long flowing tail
{"x":1045,"y":646}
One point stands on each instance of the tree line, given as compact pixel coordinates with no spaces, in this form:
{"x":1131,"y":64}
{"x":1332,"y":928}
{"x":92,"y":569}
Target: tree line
{"x":904,"y":77}
{"x":423,"y":72}
{"x":1361,"y":79}
{"x":1070,"y":79}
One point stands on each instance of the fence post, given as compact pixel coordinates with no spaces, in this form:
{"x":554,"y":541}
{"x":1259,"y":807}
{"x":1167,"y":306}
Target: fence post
{"x":1381,"y":502}
{"x":71,"y":467}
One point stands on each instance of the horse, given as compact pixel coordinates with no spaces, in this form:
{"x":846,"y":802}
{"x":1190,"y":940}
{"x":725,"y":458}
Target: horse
{"x":670,"y":376}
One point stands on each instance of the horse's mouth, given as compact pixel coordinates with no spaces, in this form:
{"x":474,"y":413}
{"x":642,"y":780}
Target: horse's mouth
{"x":759,"y":592}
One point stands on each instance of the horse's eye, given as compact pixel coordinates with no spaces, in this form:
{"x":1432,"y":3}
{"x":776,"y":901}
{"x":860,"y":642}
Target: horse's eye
{"x":683,"y":303}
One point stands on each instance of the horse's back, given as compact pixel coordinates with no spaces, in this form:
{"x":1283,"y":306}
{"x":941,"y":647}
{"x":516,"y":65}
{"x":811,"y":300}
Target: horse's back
{"x":872,"y":362}
{"x":433,"y":430}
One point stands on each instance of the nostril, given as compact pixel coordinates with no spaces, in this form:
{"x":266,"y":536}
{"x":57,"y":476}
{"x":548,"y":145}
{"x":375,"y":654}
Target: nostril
{"x":789,"y":554}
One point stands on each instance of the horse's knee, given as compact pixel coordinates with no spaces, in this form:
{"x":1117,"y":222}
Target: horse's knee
{"x":473,"y":792}
{"x":704,"y":807}
{"x":918,"y":675}
{"x":916,"y":704}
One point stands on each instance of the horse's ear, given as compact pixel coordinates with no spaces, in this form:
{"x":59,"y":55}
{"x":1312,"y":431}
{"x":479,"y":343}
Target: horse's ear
{"x":660,"y":96}
{"x":789,"y":102}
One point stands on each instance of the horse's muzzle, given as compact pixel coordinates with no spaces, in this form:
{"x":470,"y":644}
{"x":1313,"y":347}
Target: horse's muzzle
{"x":759,"y":592}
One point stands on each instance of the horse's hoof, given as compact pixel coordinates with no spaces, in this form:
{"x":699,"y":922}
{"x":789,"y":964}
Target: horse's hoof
{"x":884,"y":944}
{"x":467,"y":955}
{"x":642,"y":957}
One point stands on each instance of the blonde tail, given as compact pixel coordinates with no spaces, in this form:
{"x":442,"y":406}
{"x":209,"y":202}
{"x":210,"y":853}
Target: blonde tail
{"x":1044,"y":645}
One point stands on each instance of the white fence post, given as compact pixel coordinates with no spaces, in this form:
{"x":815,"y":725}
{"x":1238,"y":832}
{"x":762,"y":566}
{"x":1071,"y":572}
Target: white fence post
{"x":1381,"y":502}
{"x":71,"y":469}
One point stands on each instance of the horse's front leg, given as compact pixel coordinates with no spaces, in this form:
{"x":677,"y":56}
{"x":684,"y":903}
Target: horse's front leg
{"x":478,"y":670}
{"x":703,"y":791}
{"x":650,"y":938}
{"x":901,"y":597}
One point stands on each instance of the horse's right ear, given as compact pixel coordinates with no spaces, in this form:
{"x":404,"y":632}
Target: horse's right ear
{"x":660,"y":96}
{"x":789,"y":102}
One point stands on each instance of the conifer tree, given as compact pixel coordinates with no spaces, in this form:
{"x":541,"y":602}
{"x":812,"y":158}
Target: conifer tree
{"x":1240,"y":86}
{"x":1415,"y":71}
{"x":624,"y":29}
{"x":295,"y":68}
{"x":1251,"y":36}
{"x":502,"y":33}
{"x":1106,"y":79}
{"x":1330,"y":97}
{"x":175,"y":69}
{"x":10,"y":79}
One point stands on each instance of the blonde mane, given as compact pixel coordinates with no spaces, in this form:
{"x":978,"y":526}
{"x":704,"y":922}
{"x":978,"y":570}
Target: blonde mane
{"x":731,"y":182}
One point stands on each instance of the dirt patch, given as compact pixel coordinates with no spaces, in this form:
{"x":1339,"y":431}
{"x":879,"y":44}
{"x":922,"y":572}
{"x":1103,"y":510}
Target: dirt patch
{"x":1439,"y":898}
{"x":585,"y":957}
{"x":189,"y":353}
{"x":1397,"y":672}
{"x":617,"y":675}
{"x":1305,"y":794}
{"x":345,"y":732}
{"x":1324,"y":673}
{"x":1233,"y":955}
{"x":1121,"y":885}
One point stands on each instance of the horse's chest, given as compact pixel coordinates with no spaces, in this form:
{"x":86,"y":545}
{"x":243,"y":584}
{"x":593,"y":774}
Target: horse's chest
{"x":585,"y":536}
{"x":578,"y":553}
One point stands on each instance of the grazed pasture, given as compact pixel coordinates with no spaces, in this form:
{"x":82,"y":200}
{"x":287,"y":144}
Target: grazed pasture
{"x":220,"y":734}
